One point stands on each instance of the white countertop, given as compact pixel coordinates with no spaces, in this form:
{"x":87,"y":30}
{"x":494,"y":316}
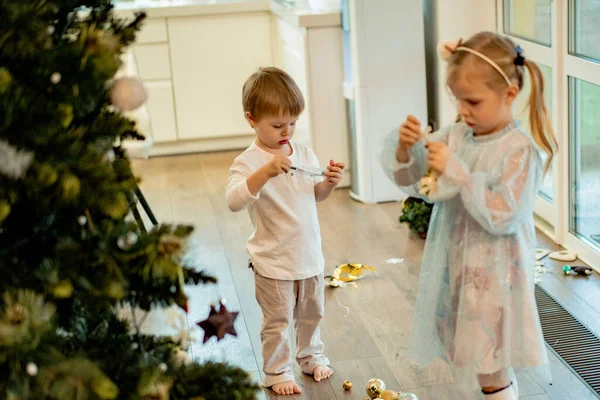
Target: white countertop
{"x":185,"y":8}
{"x":301,"y":14}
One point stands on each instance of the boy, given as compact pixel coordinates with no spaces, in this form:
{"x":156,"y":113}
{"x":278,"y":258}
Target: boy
{"x":285,"y":247}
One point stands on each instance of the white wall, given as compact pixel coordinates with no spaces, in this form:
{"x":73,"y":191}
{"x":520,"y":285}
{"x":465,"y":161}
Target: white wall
{"x":452,"y":19}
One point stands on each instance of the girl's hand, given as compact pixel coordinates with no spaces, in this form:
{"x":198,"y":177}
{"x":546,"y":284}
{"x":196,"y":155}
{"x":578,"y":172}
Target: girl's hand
{"x":335,"y":173}
{"x":409,"y":132}
{"x":438,"y":157}
{"x":278,"y":165}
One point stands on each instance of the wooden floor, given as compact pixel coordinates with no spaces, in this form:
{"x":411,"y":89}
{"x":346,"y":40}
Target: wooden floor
{"x":367,"y":326}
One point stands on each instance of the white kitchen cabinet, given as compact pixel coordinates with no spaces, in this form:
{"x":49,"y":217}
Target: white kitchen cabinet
{"x":153,"y":61}
{"x":194,"y":57}
{"x":161,"y":110}
{"x":211,"y":58}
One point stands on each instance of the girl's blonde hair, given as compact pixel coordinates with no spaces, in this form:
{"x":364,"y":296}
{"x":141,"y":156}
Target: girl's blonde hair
{"x":503,"y":52}
{"x":271,"y":91}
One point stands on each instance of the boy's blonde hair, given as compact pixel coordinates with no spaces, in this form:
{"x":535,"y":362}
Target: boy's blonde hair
{"x":271,"y":91}
{"x":503,"y":52}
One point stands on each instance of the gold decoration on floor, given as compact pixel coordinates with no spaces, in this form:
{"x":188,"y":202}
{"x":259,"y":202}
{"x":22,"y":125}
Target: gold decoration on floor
{"x":375,"y":387}
{"x":347,"y":273}
{"x":376,"y":390}
{"x":347,"y":385}
{"x":389,"y":395}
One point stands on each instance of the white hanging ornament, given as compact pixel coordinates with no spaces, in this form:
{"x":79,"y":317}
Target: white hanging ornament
{"x":82,"y":220}
{"x":181,"y":358}
{"x":55,"y":78}
{"x":32,"y":369}
{"x":127,"y":94}
{"x":126,"y":241}
{"x":162,"y":367}
{"x":51,"y":29}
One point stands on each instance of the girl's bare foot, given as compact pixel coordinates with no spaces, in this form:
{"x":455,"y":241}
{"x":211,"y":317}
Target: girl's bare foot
{"x":322,"y":372}
{"x":288,"y":387}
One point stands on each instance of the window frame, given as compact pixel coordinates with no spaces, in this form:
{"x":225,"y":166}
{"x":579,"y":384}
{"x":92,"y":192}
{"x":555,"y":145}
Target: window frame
{"x":554,"y":219}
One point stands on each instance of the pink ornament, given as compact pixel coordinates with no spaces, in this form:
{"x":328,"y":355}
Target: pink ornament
{"x":127,"y":94}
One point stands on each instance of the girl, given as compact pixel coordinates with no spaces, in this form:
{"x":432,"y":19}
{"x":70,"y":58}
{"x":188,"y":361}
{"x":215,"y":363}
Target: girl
{"x":476,"y":306}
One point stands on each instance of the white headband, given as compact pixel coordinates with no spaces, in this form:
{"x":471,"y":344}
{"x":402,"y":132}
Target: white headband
{"x":447,"y":48}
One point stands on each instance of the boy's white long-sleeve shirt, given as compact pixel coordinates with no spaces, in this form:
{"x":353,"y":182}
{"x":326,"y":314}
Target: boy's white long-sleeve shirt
{"x":286,"y":242}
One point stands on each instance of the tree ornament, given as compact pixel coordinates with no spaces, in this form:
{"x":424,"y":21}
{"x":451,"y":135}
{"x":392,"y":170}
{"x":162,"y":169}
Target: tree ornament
{"x":32,"y":369}
{"x":581,"y":270}
{"x":51,"y":29}
{"x":162,"y":367}
{"x":82,"y":220}
{"x":218,"y":323}
{"x":14,"y":163}
{"x":177,"y":320}
{"x":127,"y":241}
{"x":407,"y":396}
{"x":71,"y":187}
{"x":47,"y":175}
{"x":63,"y":290}
{"x":374,"y":387}
{"x":127,"y":94}
{"x":4,"y":210}
{"x":5,"y":80}
{"x":55,"y":78}
{"x":181,"y":358}
{"x":347,"y":385}
{"x":389,"y":395}
{"x":170,"y":244}
{"x":65,"y":114}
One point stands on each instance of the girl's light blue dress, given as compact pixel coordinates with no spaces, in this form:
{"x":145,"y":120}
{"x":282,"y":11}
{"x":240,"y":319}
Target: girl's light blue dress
{"x":475,"y":305}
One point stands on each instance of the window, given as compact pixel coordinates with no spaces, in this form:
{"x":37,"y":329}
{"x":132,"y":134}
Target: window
{"x":563,"y":38}
{"x":584,"y":40}
{"x":585,"y":160}
{"x":518,"y":20}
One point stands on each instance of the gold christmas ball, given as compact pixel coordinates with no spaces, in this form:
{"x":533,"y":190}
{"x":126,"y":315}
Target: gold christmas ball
{"x":4,"y":210}
{"x":389,"y":395}
{"x":347,"y":385}
{"x":375,"y":387}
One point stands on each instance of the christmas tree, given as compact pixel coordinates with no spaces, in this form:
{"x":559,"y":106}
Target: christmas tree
{"x":70,"y":255}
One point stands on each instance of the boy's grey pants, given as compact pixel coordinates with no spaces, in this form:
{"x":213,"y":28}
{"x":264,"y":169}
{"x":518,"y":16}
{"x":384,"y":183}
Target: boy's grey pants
{"x":282,"y":302}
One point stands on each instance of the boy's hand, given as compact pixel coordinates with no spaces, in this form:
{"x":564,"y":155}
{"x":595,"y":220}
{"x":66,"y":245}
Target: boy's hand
{"x":277,"y":166}
{"x":438,"y":156}
{"x":335,"y":173}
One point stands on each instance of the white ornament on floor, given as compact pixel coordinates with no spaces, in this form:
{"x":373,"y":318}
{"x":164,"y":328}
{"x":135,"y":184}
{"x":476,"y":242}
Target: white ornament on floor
{"x":127,"y":94}
{"x":563,"y":255}
{"x":541,"y":253}
{"x":395,"y":260}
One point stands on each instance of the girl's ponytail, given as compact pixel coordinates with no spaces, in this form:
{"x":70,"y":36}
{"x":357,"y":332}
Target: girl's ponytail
{"x":539,"y":120}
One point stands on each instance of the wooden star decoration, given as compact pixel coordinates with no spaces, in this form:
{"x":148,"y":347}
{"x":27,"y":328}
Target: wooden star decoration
{"x":218,"y":323}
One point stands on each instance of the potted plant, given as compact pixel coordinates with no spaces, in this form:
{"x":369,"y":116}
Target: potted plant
{"x":416,"y":213}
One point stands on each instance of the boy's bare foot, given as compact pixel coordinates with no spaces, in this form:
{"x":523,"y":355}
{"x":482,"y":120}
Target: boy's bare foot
{"x":322,"y":372}
{"x":288,"y":387}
